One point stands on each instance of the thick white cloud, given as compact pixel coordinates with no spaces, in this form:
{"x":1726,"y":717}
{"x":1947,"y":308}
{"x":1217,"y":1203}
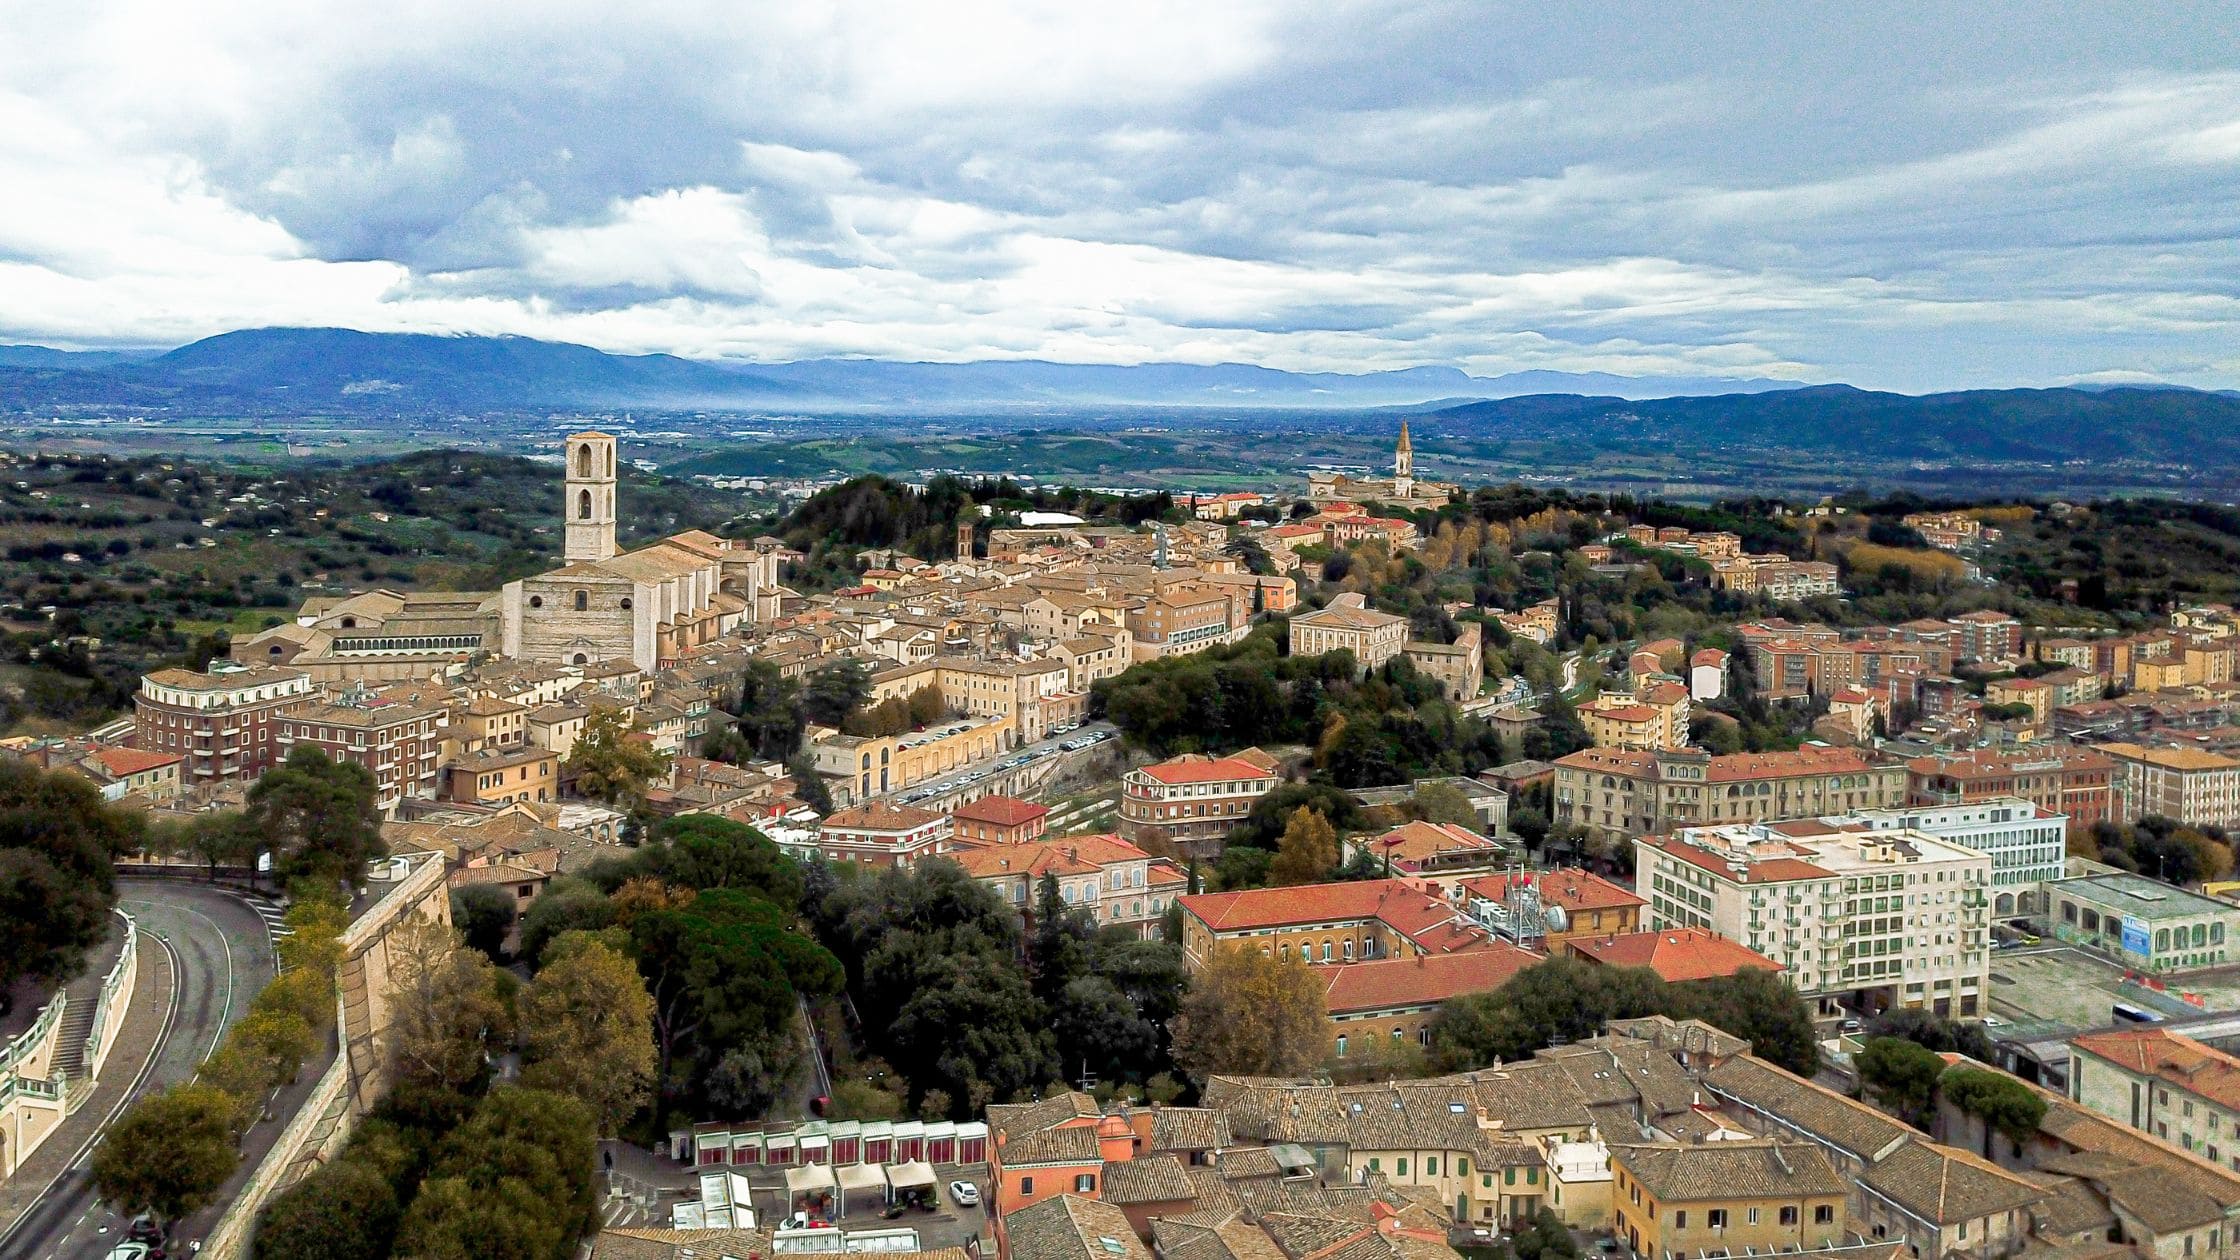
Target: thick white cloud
{"x":2023,"y":196}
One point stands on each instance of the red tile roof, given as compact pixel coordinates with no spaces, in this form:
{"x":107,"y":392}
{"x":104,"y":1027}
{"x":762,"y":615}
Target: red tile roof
{"x":1421,"y":839}
{"x":1759,"y":870}
{"x":1572,"y":889}
{"x":1061,"y":855}
{"x":881,"y":816}
{"x":1676,"y":954}
{"x":1194,"y":768}
{"x":1623,"y":713}
{"x":999,"y":811}
{"x":123,"y":761}
{"x":1417,"y":983}
{"x":1778,"y":765}
{"x":2181,"y":1060}
{"x":1431,"y":922}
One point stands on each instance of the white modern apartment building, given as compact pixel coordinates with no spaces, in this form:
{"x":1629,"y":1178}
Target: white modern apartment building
{"x":2027,"y":844}
{"x":1897,"y":917}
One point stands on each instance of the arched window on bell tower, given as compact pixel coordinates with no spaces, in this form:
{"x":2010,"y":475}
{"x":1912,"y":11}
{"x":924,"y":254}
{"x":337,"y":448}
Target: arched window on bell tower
{"x":589,"y":504}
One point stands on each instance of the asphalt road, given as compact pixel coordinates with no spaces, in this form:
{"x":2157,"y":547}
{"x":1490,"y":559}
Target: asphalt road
{"x":221,"y":953}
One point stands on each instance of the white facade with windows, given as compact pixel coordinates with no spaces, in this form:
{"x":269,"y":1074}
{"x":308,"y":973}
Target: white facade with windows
{"x":2027,"y":845}
{"x":1842,"y":907}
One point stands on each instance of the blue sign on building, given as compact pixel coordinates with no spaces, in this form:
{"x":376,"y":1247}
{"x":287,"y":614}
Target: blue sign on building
{"x":2136,"y":938}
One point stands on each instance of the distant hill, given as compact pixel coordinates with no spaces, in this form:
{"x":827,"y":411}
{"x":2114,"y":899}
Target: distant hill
{"x":318,"y":371}
{"x":42,"y":357}
{"x":2164,"y":426}
{"x":299,"y":370}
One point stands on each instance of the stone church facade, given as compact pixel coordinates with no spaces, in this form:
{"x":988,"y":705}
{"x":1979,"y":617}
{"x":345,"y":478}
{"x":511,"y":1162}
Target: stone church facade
{"x":647,"y":606}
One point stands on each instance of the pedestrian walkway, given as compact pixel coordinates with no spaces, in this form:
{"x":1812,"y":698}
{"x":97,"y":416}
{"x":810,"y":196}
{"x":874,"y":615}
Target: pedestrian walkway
{"x":274,"y":914}
{"x":145,"y":1022}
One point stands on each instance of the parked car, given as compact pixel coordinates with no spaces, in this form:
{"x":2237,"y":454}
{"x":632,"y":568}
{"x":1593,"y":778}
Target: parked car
{"x":136,"y":1251}
{"x":964,"y":1194}
{"x":144,"y":1228}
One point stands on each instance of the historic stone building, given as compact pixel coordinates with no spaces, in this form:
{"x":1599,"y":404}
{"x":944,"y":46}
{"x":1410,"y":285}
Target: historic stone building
{"x":1400,"y":488}
{"x":646,"y":607}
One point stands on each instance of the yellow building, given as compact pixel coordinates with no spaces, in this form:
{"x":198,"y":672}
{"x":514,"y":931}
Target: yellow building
{"x":859,"y":767}
{"x":2024,"y":691}
{"x":1348,"y":622}
{"x":1686,"y":1200}
{"x":1579,"y":1184}
{"x":2157,"y":673}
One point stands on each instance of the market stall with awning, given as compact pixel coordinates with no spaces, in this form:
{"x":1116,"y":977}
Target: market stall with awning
{"x":812,"y":1188}
{"x":910,"y":1181}
{"x":856,"y":1178}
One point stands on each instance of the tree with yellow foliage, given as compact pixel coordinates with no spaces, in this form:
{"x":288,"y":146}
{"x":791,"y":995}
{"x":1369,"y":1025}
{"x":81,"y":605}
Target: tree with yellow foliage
{"x":1308,"y":851}
{"x":1250,"y":1013}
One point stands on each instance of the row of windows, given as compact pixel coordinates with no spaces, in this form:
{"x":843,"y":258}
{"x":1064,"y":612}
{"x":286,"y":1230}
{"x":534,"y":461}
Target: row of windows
{"x":411,"y":643}
{"x":1083,"y":1183}
{"x":1423,"y":1038}
{"x":583,"y":604}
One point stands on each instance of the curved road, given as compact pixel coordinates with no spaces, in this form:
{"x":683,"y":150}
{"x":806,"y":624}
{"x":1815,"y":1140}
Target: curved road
{"x":218,"y":948}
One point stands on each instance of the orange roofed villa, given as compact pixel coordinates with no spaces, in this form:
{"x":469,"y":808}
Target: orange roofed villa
{"x":1184,"y":806}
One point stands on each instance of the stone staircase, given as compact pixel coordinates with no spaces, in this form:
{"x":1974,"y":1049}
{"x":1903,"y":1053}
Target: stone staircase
{"x":70,"y":1046}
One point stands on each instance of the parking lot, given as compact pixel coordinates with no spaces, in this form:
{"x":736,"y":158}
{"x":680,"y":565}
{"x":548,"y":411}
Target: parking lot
{"x":1063,"y":740}
{"x":646,"y":1186}
{"x":2072,"y":987}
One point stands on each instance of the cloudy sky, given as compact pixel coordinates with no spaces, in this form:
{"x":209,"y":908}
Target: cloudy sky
{"x":1915,"y":201}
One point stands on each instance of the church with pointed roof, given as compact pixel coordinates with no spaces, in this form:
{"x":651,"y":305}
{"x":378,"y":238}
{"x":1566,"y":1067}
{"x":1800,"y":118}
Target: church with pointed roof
{"x":1401,"y":489}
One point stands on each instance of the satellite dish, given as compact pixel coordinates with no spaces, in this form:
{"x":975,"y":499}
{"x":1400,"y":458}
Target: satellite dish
{"x":1557,"y":919}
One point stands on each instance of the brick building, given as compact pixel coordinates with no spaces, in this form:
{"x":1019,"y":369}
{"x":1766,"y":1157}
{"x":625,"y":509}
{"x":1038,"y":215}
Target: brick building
{"x":399,"y":743}
{"x":2058,"y":778}
{"x":224,"y":723}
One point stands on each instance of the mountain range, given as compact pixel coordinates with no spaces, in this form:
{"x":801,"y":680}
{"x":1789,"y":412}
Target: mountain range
{"x":332,"y":369}
{"x":2051,"y":426}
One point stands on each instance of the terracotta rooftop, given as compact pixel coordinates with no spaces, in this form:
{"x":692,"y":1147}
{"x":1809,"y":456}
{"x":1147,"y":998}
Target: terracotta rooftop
{"x":1675,"y":954}
{"x":881,"y":816}
{"x":1622,"y":712}
{"x":999,"y":811}
{"x":1194,"y":768}
{"x":1754,"y":870}
{"x":2180,"y":1060}
{"x":2170,"y":758}
{"x":1572,"y":889}
{"x":123,"y":761}
{"x":1419,"y":839}
{"x":1059,"y":855}
{"x":1393,"y":983}
{"x":1777,"y":765}
{"x":1406,"y":909}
